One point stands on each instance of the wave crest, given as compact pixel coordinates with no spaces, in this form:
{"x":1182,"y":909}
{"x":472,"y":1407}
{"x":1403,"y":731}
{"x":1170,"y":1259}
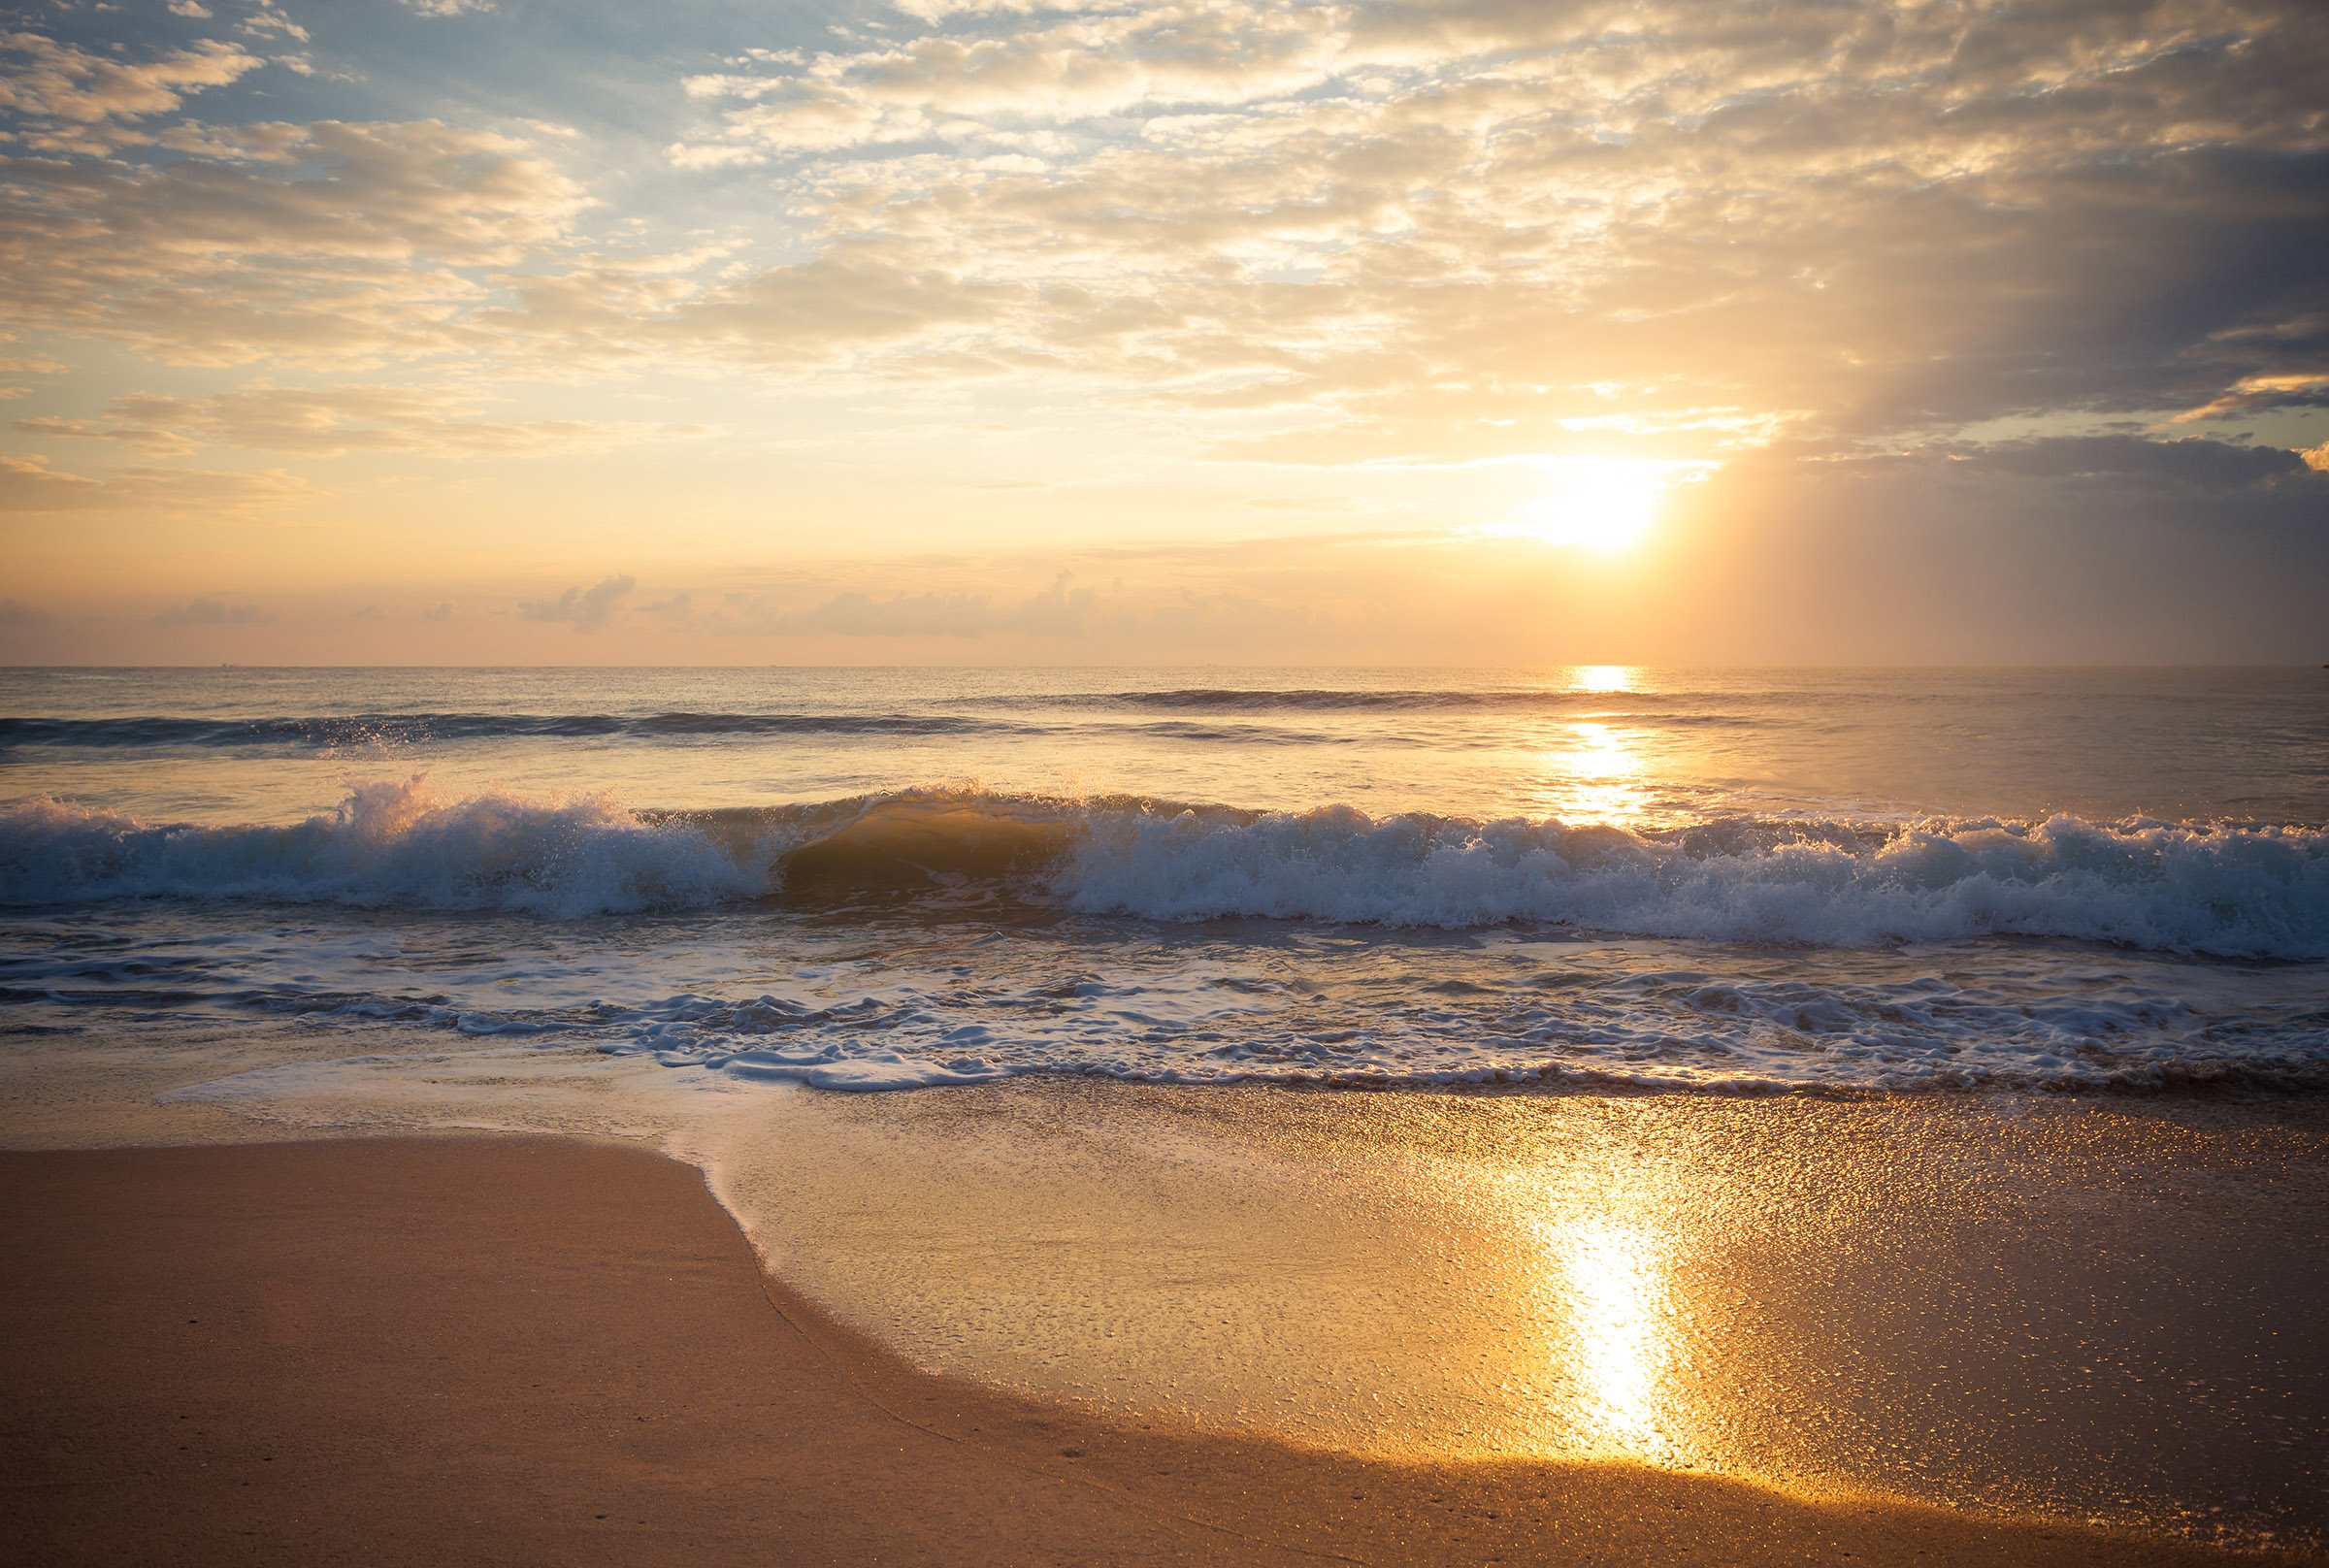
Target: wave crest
{"x":390,"y":843}
{"x":2236,"y":892}
{"x":2249,"y":892}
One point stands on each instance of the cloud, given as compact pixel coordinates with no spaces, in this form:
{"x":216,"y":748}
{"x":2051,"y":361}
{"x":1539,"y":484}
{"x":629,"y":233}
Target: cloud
{"x":63,"y":99}
{"x":324,"y":242}
{"x":211,"y":613}
{"x":269,"y":17}
{"x":586,"y":609}
{"x":2206,"y":465}
{"x":1935,"y":556}
{"x":29,"y":365}
{"x":843,"y":301}
{"x":1059,"y":610}
{"x":146,"y":439}
{"x":1449,"y":231}
{"x":2302,"y":389}
{"x":1079,"y":67}
{"x":1422,"y":232}
{"x":831,"y":311}
{"x":15,"y":612}
{"x":331,"y":421}
{"x":861,"y":616}
{"x":29,"y":484}
{"x":677,"y":612}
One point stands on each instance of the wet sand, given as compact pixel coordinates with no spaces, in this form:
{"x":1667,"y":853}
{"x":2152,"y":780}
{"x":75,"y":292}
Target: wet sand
{"x":524,"y":1351}
{"x":2089,"y":1308}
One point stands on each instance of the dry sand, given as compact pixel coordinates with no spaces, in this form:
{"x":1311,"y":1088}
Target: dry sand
{"x":518,"y":1351}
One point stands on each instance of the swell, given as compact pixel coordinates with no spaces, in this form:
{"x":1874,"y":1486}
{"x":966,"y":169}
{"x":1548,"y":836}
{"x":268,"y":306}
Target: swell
{"x":1769,"y":699}
{"x":2235,"y":890}
{"x":1337,"y":700}
{"x":331,"y":732}
{"x":369,"y":729}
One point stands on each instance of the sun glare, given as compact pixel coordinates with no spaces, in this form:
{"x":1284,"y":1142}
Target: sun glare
{"x":1613,"y":1319}
{"x":1599,"y":504}
{"x":1603,"y":678}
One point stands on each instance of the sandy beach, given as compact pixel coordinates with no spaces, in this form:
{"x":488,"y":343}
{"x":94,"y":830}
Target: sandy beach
{"x":517,"y":1350}
{"x":997,"y":783}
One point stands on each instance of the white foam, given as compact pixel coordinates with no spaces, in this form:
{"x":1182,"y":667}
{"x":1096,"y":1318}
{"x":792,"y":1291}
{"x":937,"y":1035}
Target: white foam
{"x":2248,"y":892}
{"x":2259,"y":892}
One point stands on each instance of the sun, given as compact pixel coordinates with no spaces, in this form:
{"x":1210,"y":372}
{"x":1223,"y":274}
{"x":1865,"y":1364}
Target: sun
{"x":1599,"y":504}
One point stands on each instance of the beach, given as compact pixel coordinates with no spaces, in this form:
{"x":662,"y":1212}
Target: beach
{"x":1583,"y":1113}
{"x":1004,"y":782}
{"x":1024,"y":782}
{"x":526,"y":1351}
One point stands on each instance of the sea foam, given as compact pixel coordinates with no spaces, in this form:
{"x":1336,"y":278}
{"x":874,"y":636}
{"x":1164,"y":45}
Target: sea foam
{"x":2259,"y":892}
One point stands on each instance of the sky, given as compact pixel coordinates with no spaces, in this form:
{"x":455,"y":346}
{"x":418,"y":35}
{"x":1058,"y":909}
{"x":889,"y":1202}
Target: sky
{"x":1454,"y":332}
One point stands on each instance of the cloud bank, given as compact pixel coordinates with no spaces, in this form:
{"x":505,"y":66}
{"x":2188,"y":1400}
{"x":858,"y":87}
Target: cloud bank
{"x":773,"y":291}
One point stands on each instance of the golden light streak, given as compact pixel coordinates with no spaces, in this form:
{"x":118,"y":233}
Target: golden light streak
{"x":1611,"y":1354}
{"x":1598,"y":776}
{"x":1614,"y":1288}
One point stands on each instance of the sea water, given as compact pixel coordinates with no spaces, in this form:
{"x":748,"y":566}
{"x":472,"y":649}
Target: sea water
{"x":1817,"y":1068}
{"x":1740,"y":882}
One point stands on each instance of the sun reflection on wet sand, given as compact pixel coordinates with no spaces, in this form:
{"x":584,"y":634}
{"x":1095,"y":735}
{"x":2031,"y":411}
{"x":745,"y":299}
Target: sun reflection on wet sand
{"x":1614,"y":1282}
{"x":1691,"y":1282}
{"x":1611,"y":1320}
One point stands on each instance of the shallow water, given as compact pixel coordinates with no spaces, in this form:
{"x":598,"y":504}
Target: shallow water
{"x":1730,"y":880}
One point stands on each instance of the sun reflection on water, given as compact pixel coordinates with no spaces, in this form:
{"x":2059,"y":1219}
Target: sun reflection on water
{"x":1597,"y":776}
{"x":1603,"y":678}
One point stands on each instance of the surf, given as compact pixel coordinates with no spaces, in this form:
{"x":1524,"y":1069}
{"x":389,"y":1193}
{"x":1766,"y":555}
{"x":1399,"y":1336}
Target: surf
{"x":2236,"y":891}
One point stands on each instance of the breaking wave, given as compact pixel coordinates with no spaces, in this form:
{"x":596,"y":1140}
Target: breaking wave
{"x":2234,"y":891}
{"x":390,"y":843}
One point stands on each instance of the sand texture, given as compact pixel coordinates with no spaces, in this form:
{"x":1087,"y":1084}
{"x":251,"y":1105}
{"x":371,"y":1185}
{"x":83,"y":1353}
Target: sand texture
{"x":520,"y":1350}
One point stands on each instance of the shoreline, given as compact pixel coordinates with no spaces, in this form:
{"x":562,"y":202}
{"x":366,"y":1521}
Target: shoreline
{"x":2028,"y":1307}
{"x":409,"y":1334}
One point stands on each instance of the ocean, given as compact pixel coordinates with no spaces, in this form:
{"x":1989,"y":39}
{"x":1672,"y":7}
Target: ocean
{"x":1903,"y":1080}
{"x":1723,"y":881}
